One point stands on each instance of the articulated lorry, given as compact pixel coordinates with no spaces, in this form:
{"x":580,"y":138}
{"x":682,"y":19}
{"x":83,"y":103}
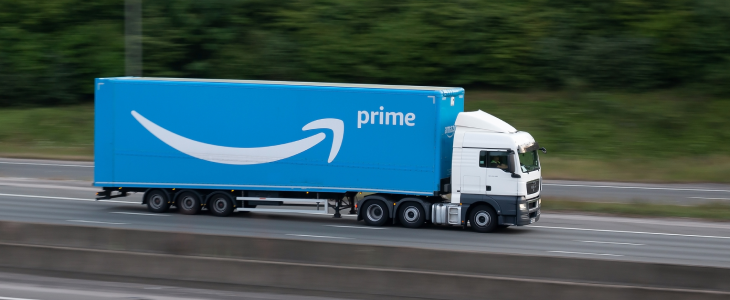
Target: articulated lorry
{"x":390,"y":154}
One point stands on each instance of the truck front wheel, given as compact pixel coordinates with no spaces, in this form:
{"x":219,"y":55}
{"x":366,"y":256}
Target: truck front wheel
{"x":483,"y":218}
{"x":411,"y":215}
{"x":376,"y":213}
{"x":157,"y":201}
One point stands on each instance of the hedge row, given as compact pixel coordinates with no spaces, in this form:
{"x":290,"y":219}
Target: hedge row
{"x":50,"y":50}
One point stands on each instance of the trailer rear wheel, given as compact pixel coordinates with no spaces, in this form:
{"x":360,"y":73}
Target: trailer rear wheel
{"x":189,"y":203}
{"x":220,"y":205}
{"x":157,"y":201}
{"x":483,"y":218}
{"x":376,"y":213}
{"x":411,"y":215}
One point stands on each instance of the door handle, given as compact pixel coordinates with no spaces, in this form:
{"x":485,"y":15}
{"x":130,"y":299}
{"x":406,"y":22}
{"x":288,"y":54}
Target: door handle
{"x":489,"y":188}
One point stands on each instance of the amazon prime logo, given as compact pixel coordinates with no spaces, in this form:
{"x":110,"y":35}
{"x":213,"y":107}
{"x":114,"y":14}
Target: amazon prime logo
{"x":449,"y":130}
{"x":248,"y":156}
{"x":378,"y":116}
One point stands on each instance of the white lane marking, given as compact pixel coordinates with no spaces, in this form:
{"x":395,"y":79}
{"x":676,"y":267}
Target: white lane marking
{"x":9,"y":298}
{"x":612,"y":243}
{"x":585,"y":253}
{"x":359,"y":227}
{"x":66,"y":198}
{"x":634,"y":187}
{"x":17,"y":183}
{"x":96,"y":222}
{"x":635,"y":232}
{"x":705,"y":198}
{"x":140,"y":214}
{"x":320,"y":236}
{"x":41,"y":164}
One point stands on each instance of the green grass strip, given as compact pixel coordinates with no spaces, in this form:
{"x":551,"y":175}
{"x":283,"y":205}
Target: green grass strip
{"x":710,"y":211}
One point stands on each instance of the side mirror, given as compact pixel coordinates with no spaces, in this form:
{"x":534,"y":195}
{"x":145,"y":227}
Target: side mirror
{"x":511,"y":162}
{"x":543,"y":149}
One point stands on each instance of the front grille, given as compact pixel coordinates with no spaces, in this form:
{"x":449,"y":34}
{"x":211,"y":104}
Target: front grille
{"x":533,"y":214}
{"x":533,"y":186}
{"x":531,"y":205}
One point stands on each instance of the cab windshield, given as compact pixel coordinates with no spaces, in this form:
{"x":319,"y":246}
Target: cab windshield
{"x":529,"y":161}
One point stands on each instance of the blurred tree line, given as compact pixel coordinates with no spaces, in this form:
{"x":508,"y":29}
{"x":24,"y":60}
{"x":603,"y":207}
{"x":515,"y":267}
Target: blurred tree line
{"x":50,"y":50}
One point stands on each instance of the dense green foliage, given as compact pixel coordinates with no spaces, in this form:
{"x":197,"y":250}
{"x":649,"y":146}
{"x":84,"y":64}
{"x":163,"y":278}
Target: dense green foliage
{"x":50,"y":50}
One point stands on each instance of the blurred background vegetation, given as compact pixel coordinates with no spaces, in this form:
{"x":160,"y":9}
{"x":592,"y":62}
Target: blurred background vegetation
{"x":617,"y":89}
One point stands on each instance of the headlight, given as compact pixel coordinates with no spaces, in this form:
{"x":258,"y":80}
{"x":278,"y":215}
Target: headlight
{"x":539,"y":202}
{"x":523,"y":206}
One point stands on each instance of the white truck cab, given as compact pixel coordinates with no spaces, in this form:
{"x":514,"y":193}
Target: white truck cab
{"x":495,"y":175}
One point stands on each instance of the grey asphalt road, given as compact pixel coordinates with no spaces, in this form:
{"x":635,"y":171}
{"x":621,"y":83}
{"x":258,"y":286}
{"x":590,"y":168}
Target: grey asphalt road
{"x":683,"y":194}
{"x":15,"y":286}
{"x":649,"y":240}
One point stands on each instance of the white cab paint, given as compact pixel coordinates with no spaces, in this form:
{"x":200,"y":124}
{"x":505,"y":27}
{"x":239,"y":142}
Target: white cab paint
{"x":479,"y":131}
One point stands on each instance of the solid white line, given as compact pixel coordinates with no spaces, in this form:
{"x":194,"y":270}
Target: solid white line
{"x":9,"y":298}
{"x":96,"y":222}
{"x":140,"y":214}
{"x":321,"y":236}
{"x":585,"y":253}
{"x":66,"y":198}
{"x":612,"y":243}
{"x":634,"y":187}
{"x":635,"y":232}
{"x":705,"y":198}
{"x":40,"y":164}
{"x":359,"y":227}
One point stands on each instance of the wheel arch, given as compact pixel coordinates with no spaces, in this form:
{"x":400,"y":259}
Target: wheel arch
{"x":471,"y":204}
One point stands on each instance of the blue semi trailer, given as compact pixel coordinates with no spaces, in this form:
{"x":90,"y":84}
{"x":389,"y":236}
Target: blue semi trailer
{"x":239,"y":146}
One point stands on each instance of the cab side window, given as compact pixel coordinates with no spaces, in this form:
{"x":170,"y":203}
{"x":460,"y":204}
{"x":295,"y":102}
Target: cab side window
{"x":497,"y":160}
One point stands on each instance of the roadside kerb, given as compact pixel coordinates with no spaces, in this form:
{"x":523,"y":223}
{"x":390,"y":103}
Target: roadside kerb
{"x":368,"y":256}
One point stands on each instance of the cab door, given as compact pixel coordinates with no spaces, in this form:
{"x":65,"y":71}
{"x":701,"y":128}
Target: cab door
{"x":499,"y":179}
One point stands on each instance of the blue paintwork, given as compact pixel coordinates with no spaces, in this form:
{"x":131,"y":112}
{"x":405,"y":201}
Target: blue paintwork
{"x":378,"y":158}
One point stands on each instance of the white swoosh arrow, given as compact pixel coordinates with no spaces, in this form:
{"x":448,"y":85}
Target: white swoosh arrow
{"x":248,"y":156}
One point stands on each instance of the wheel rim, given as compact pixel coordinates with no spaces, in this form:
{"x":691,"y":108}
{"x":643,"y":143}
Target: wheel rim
{"x":482,"y":219}
{"x":188,"y":202}
{"x":411,"y":214}
{"x":220,"y":205}
{"x":156,"y":201}
{"x":375,"y":212}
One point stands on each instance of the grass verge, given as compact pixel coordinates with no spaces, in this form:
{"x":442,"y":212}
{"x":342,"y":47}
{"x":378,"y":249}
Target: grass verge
{"x":48,"y":132}
{"x":711,"y":211}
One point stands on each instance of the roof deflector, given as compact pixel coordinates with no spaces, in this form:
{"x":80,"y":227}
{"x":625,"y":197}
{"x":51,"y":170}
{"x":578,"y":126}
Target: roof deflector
{"x":481,"y":120}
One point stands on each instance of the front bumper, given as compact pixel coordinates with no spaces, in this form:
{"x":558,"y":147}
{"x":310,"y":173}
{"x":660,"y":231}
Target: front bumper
{"x":531,"y":215}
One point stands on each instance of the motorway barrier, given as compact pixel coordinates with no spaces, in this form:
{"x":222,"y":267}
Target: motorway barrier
{"x":339,"y":267}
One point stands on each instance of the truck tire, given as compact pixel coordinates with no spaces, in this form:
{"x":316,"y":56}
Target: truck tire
{"x":157,"y":201}
{"x":220,"y":204}
{"x":483,"y":218}
{"x":375,"y":213}
{"x":189,"y":203}
{"x":411,"y":215}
